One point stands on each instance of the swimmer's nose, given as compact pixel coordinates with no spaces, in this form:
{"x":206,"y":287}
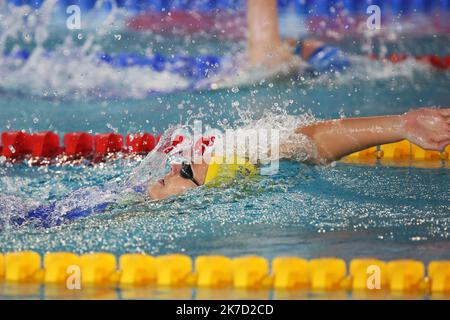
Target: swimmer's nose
{"x":175,"y":169}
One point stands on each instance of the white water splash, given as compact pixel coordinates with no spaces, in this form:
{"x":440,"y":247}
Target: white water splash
{"x":72,"y":74}
{"x":69,"y":70}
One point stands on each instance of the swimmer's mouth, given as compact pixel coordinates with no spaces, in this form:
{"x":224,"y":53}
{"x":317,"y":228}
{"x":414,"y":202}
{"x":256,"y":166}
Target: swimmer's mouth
{"x":161,"y":182}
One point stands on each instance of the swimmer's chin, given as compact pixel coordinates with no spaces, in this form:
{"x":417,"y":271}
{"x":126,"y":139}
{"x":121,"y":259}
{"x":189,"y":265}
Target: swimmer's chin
{"x":150,"y":196}
{"x":168,"y":198}
{"x":154,"y":198}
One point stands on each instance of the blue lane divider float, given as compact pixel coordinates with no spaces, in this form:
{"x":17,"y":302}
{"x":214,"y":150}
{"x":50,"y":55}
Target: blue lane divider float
{"x":302,"y":7}
{"x":187,"y":66}
{"x":206,"y":66}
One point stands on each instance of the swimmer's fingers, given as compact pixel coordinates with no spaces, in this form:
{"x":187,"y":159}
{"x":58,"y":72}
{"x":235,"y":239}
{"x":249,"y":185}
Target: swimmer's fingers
{"x":445,"y":116}
{"x":440,"y":130}
{"x":443,"y":137}
{"x":443,"y":128}
{"x":443,"y":123}
{"x":445,"y":112}
{"x":436,"y":146}
{"x":439,"y":142}
{"x":447,"y":125}
{"x":443,"y":145}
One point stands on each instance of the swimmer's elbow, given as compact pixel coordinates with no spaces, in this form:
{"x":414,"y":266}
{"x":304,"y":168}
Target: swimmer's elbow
{"x":321,"y":155}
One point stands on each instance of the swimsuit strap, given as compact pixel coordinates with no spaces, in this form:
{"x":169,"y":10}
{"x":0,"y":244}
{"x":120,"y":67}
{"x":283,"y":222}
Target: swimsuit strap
{"x":298,"y":48}
{"x":140,"y":189}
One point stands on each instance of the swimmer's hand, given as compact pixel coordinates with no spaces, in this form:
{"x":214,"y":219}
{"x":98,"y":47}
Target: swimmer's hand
{"x":428,"y":128}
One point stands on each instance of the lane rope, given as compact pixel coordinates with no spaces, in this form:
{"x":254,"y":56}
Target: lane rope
{"x":246,"y":272}
{"x":44,"y":148}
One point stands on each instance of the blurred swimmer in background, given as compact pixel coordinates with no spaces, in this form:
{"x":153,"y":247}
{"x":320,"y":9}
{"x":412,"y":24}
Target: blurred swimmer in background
{"x":265,"y":47}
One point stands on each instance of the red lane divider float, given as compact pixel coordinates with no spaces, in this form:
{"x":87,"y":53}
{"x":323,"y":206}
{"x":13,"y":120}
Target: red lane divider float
{"x":44,"y":147}
{"x":108,"y":143}
{"x":15,"y":144}
{"x":441,"y":63}
{"x":141,"y":142}
{"x":78,"y":144}
{"x":45,"y":144}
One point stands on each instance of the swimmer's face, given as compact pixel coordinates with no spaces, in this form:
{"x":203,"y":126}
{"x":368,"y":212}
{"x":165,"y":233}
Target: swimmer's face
{"x":174,"y":184}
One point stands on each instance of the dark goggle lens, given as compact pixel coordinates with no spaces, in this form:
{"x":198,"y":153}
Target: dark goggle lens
{"x":187,"y":173}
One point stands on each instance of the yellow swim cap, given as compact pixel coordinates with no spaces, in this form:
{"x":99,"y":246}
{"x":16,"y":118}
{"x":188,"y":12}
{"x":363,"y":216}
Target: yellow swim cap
{"x":223,"y":169}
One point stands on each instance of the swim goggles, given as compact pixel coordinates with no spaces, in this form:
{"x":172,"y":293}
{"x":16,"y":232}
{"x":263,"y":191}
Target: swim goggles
{"x":187,"y":173}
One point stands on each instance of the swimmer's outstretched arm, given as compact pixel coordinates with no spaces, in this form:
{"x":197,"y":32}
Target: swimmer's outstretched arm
{"x":427,"y":128}
{"x":264,"y":44}
{"x":263,"y":37}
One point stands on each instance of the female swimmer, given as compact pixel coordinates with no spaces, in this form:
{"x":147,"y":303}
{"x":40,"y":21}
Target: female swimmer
{"x":331,"y":140}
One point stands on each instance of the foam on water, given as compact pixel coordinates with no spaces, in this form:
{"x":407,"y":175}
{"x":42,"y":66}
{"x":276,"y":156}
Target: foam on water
{"x":69,"y":70}
{"x":74,"y":75}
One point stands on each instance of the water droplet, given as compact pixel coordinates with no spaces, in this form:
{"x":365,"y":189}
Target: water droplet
{"x":235,"y":89}
{"x":12,"y":149}
{"x":27,"y":37}
{"x":35,"y":120}
{"x":117,"y":36}
{"x":80,"y":36}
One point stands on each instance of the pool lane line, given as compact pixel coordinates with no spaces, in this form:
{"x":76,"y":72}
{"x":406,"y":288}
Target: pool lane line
{"x":43,"y":148}
{"x":253,"y":273}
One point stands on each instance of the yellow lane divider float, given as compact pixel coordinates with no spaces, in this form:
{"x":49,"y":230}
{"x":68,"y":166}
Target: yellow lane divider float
{"x":401,"y":153}
{"x":247,"y":273}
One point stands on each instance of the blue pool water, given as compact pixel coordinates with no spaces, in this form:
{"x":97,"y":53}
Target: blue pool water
{"x":341,"y":210}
